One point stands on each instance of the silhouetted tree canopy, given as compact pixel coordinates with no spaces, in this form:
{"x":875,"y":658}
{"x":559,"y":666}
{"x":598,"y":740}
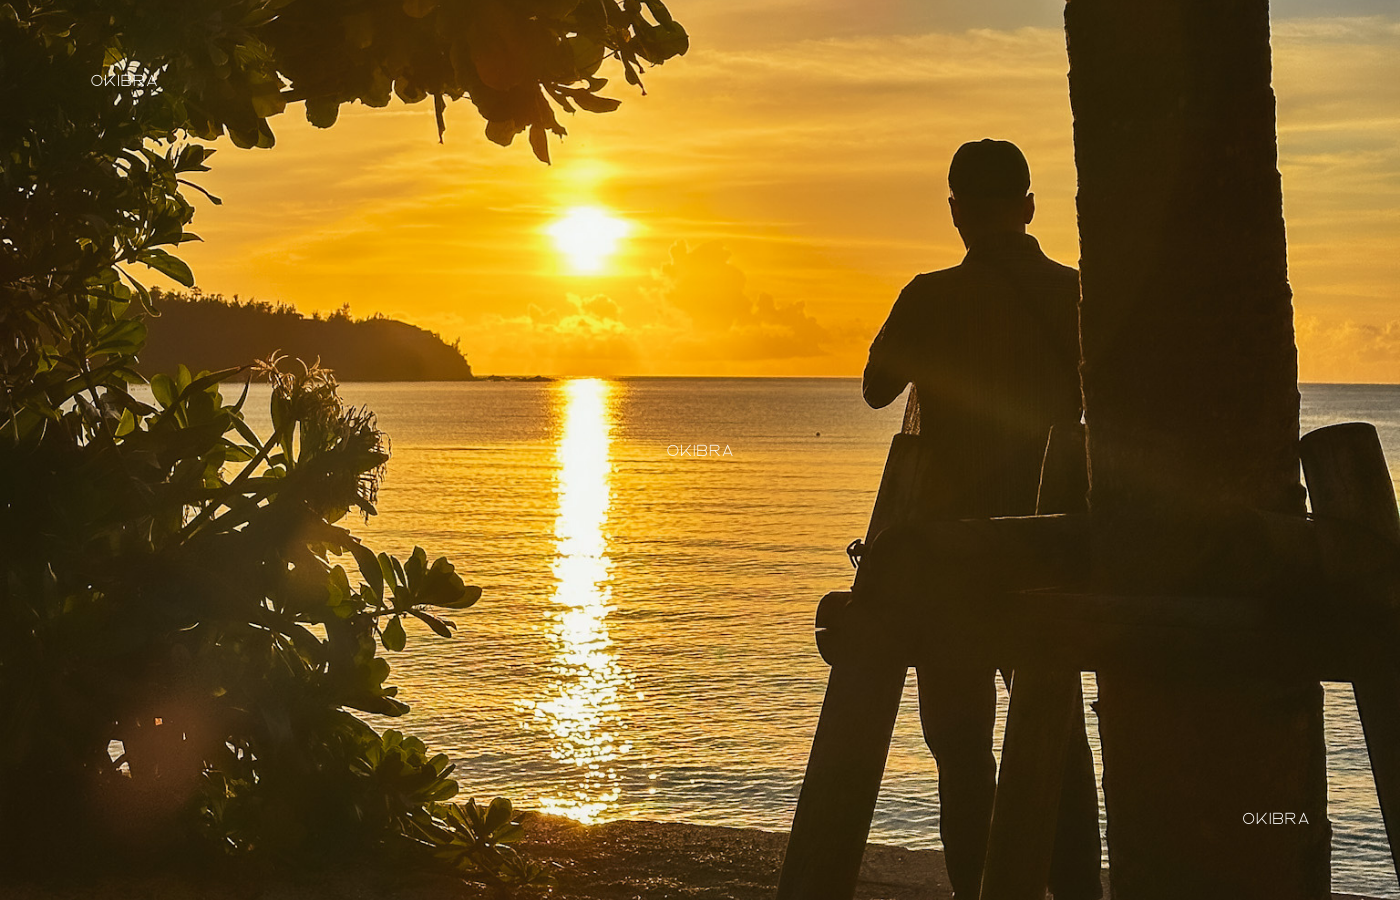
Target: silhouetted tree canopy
{"x":169,"y":578}
{"x":103,"y":99}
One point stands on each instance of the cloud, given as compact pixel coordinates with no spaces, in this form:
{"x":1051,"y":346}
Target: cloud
{"x":696,"y":311}
{"x":1338,"y":86}
{"x":815,"y":153}
{"x":726,"y":322}
{"x":578,"y":336}
{"x":1348,"y":351}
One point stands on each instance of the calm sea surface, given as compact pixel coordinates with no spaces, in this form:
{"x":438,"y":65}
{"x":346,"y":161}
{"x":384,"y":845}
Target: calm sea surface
{"x":644,"y":645}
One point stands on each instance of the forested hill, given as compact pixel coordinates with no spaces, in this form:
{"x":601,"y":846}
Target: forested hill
{"x":210,"y":332}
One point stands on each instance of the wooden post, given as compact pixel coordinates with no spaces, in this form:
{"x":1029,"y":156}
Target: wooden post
{"x":1348,"y":480}
{"x":852,"y":743}
{"x":842,"y":782}
{"x":1022,"y":836}
{"x":1348,"y":477}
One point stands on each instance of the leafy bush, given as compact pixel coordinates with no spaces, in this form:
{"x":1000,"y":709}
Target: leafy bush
{"x":169,"y":579}
{"x":174,"y":583}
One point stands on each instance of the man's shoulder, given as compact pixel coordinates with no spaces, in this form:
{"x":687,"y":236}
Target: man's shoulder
{"x":1059,"y":270}
{"x":1051,"y":268}
{"x":955,"y":279}
{"x":932,"y":284}
{"x":969,"y":278}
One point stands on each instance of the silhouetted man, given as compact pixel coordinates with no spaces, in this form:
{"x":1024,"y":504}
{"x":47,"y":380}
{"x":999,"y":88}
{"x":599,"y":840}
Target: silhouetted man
{"x":992,"y":348}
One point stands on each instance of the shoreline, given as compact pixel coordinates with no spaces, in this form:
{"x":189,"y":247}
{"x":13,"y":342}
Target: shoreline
{"x":627,"y":859}
{"x":630,"y":859}
{"x":621,"y":860}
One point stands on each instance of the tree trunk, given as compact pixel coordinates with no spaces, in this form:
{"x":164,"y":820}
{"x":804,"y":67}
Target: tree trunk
{"x":1190,"y":385}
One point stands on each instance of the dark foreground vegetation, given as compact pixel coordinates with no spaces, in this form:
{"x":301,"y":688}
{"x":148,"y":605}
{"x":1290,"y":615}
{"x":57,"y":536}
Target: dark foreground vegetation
{"x":614,"y":861}
{"x":207,"y":331}
{"x":187,"y":630}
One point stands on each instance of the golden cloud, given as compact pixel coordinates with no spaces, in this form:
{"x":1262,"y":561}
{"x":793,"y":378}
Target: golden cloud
{"x":821,"y":164}
{"x":1348,"y":351}
{"x":696,"y":310}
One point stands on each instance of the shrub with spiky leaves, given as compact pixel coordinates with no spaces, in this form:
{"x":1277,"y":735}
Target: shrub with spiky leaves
{"x":178,"y":585}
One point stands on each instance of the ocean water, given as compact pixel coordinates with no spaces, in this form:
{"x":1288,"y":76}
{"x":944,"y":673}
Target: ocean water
{"x":644,"y":648}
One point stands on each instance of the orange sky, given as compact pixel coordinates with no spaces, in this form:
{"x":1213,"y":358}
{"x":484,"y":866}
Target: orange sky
{"x":782,"y":182}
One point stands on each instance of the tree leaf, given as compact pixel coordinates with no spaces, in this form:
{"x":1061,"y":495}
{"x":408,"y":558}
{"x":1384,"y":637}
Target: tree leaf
{"x":502,"y":132}
{"x":369,"y":568}
{"x":440,"y":627}
{"x":393,"y":636}
{"x":166,"y":264}
{"x":539,"y":142}
{"x":416,"y":568}
{"x":322,"y":111}
{"x":409,"y":91}
{"x":508,"y":833}
{"x":379,"y":91}
{"x":659,"y":11}
{"x":444,"y":587}
{"x":586,"y":53}
{"x":593,"y":103}
{"x":163,"y":389}
{"x":498,"y":814}
{"x":501,"y":44}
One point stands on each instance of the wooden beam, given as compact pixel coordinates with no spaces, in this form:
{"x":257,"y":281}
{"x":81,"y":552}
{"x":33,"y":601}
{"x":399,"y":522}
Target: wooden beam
{"x":1348,"y":480}
{"x":1096,"y":632}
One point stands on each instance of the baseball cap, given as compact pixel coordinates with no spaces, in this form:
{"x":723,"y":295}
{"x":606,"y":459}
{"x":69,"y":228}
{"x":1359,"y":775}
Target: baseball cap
{"x":989,"y":169}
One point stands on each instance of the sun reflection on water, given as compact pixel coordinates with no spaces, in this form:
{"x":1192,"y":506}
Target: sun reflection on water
{"x":582,"y":706}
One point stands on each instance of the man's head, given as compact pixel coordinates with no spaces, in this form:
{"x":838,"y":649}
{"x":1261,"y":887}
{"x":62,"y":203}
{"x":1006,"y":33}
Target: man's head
{"x":990,"y":184}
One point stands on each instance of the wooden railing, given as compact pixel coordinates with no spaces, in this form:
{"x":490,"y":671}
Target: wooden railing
{"x":1011,"y":598}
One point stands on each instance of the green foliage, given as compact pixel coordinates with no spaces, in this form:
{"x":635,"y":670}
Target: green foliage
{"x":480,"y":841}
{"x":170,"y":579}
{"x":510,"y":58}
{"x":179,"y":584}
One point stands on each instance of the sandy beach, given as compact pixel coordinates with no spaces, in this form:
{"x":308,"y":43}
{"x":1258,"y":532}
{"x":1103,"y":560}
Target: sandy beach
{"x":612,"y":861}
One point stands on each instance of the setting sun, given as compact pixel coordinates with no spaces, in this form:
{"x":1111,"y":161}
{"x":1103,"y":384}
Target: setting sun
{"x":588,"y":236}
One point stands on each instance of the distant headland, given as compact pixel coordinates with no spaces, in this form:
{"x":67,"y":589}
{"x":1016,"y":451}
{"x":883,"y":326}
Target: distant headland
{"x":209,"y":331}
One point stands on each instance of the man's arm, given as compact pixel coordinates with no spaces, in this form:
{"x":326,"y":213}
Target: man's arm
{"x":887,"y":372}
{"x":880,"y":385}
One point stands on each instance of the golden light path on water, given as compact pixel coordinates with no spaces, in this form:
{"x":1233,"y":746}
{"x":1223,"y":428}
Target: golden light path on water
{"x":582,"y":706}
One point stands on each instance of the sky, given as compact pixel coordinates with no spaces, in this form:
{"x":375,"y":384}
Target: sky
{"x":775,"y":188}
